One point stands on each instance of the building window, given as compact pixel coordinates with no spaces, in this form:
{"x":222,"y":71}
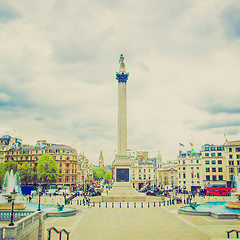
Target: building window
{"x":231,"y":170}
{"x":149,"y":170}
{"x":213,"y":154}
{"x":237,"y":149}
{"x":140,"y":177}
{"x":197,"y":161}
{"x":212,"y":148}
{"x":207,"y":169}
{"x":219,"y":161}
{"x":230,"y":149}
{"x":133,"y":176}
{"x":238,"y":170}
{"x":60,"y":170}
{"x":220,"y":177}
{"x":60,"y":157}
{"x":144,"y":176}
{"x":144,"y":170}
{"x":213,"y":169}
{"x":60,"y":165}
{"x":230,"y":156}
{"x":206,"y":148}
{"x":206,"y":154}
{"x":183,"y":161}
{"x":219,"y":169}
{"x":219,"y":154}
{"x":197,"y":175}
{"x":214,"y":178}
{"x":149,"y":176}
{"x":238,"y":156}
{"x":213,"y":161}
{"x":231,"y":163}
{"x":219,"y":148}
{"x":184,"y":175}
{"x":238,"y":162}
{"x":139,"y":170}
{"x":208,"y":177}
{"x":179,"y":175}
{"x":183,"y":168}
{"x":206,"y":162}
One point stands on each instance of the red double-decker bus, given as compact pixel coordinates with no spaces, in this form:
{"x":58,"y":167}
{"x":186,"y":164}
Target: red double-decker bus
{"x":219,"y":191}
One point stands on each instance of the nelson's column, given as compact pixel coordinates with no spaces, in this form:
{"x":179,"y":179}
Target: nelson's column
{"x":122,"y":164}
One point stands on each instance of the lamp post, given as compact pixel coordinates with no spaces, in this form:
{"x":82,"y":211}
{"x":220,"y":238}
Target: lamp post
{"x":13,"y":197}
{"x":39,"y":195}
{"x":184,"y":190}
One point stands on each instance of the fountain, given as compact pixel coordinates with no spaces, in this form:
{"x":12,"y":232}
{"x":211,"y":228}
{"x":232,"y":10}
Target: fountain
{"x":234,"y":202}
{"x":11,"y":182}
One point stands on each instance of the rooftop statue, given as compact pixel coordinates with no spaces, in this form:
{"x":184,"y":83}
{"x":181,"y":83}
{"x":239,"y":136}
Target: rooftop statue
{"x":122,"y":64}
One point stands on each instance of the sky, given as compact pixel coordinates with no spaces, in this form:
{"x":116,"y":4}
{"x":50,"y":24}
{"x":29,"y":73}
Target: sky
{"x":58,"y":61}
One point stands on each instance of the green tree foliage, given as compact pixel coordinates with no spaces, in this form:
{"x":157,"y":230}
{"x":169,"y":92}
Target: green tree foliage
{"x":10,"y":165}
{"x":2,"y":173}
{"x":108,"y":175}
{"x":99,"y":172}
{"x":47,"y":170}
{"x":25,"y":172}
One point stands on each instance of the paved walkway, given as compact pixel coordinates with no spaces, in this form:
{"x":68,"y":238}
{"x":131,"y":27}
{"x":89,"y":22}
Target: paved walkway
{"x":128,"y":223}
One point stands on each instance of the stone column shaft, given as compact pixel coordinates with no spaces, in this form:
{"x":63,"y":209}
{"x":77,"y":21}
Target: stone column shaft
{"x":122,"y":119}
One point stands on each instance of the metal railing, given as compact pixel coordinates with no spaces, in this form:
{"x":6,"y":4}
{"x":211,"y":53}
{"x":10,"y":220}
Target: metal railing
{"x":58,"y":232}
{"x":231,"y":231}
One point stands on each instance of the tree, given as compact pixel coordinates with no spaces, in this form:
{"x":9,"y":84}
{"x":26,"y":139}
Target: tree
{"x":25,"y":172}
{"x":47,"y":170}
{"x":11,"y":165}
{"x":108,"y":175}
{"x":98,"y":172}
{"x":2,"y":173}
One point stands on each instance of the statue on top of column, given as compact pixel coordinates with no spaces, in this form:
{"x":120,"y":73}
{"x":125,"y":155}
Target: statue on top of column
{"x":122,"y":64}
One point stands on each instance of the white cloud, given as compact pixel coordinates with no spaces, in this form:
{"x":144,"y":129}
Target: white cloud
{"x":58,"y":61}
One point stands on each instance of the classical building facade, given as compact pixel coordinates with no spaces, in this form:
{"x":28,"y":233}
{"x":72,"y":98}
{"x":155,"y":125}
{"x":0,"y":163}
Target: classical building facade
{"x":190,"y":170}
{"x":232,"y":152}
{"x":84,"y":173}
{"x":65,"y":156}
{"x":214,"y":171}
{"x":7,"y":142}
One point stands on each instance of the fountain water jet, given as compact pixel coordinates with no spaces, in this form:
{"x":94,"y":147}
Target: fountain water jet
{"x":234,"y":202}
{"x":11,"y":181}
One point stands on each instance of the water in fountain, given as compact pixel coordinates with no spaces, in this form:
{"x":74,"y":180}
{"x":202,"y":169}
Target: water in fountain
{"x":11,"y":181}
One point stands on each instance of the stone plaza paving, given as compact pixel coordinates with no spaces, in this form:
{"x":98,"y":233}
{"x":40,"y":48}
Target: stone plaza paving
{"x":140,"y":223}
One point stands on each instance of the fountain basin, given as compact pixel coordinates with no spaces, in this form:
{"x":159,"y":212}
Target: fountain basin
{"x":8,"y":206}
{"x":234,"y":202}
{"x":213,"y":209}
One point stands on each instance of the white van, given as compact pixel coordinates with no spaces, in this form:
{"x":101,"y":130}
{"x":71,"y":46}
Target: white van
{"x":50,"y":191}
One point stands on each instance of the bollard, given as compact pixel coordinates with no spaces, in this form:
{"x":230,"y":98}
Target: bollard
{"x":120,"y":204}
{"x":99,"y":204}
{"x":148,"y":204}
{"x":113,"y":205}
{"x":142,"y":204}
{"x":167,"y":202}
{"x":106,"y":204}
{"x":154,"y":204}
{"x":164,"y":203}
{"x":93,"y":204}
{"x":127,"y":204}
{"x":170,"y":201}
{"x":159,"y":204}
{"x":80,"y":202}
{"x":134,"y":205}
{"x":77,"y":202}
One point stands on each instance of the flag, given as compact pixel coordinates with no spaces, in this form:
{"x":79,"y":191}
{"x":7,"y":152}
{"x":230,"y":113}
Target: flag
{"x":181,"y":145}
{"x":191,"y":144}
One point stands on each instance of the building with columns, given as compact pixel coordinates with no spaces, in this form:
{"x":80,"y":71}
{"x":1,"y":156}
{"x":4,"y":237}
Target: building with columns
{"x":65,"y":156}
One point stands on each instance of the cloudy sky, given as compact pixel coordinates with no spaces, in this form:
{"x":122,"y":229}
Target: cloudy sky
{"x":58,"y":61}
